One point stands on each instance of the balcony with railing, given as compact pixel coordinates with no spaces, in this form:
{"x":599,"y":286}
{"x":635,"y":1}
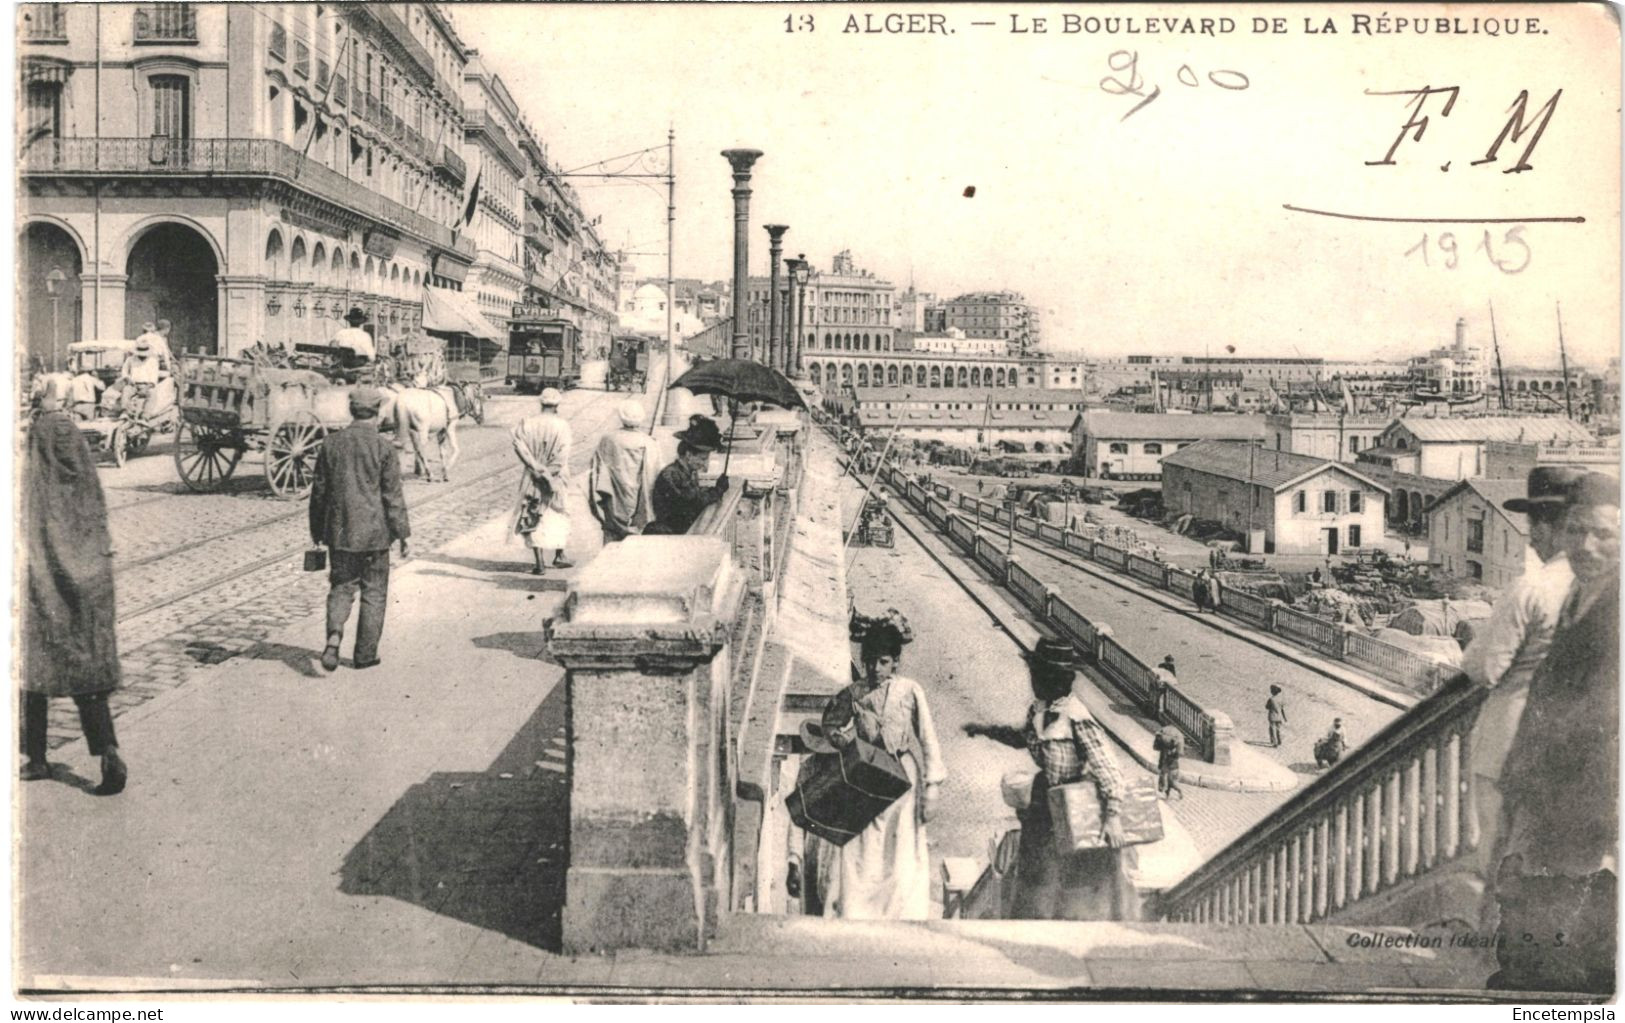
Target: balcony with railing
{"x":450,"y":164}
{"x":45,"y":23}
{"x":252,"y":158}
{"x":165,"y":23}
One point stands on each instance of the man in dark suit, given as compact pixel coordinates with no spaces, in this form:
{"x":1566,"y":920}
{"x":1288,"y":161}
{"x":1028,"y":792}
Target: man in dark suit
{"x":1555,"y":869}
{"x":678,"y":498}
{"x":357,"y":511}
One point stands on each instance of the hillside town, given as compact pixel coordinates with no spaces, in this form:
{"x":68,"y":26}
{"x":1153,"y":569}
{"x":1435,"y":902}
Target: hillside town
{"x":700,"y":616}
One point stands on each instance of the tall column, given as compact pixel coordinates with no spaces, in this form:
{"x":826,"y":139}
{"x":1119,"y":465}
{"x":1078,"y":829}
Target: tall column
{"x":773,"y":350}
{"x":742,"y":160}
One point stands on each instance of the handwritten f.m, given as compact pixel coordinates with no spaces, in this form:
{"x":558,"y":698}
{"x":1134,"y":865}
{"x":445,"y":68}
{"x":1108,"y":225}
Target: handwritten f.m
{"x":1417,"y":119}
{"x":1516,"y":128}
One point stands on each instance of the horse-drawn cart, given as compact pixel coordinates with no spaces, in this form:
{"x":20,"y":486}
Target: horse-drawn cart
{"x":232,"y":406}
{"x":122,"y":422}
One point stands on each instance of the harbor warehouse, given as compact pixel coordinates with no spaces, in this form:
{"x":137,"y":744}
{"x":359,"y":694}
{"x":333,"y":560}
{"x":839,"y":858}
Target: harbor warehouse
{"x":1131,"y":445}
{"x":1292,"y":504}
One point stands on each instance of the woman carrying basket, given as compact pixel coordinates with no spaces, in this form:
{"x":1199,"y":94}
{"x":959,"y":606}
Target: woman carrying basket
{"x":884,"y":873}
{"x":1068,"y":746}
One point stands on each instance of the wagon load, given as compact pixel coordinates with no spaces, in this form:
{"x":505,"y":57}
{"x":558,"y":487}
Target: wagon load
{"x":232,"y":406}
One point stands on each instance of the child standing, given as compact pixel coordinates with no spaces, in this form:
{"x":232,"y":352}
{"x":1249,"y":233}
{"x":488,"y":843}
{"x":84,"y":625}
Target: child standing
{"x":1275,"y":707}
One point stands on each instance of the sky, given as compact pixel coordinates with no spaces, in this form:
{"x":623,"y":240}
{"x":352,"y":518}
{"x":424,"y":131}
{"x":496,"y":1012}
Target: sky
{"x":1161,"y":232}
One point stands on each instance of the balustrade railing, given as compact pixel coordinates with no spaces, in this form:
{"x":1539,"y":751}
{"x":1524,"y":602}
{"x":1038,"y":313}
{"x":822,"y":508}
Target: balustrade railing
{"x":1026,"y":526}
{"x":1149,"y":569}
{"x":1073,"y":625}
{"x":1116,"y":557}
{"x":1079,"y":543}
{"x":256,"y":157}
{"x":962,"y":532}
{"x":1029,"y":589}
{"x":1126,"y":670}
{"x":1398,"y":808}
{"x":1245,"y":605}
{"x":165,"y":23}
{"x":990,"y":556}
{"x":1316,"y":633}
{"x":937,"y":511}
{"x":1049,"y":533}
{"x":1392,"y":662}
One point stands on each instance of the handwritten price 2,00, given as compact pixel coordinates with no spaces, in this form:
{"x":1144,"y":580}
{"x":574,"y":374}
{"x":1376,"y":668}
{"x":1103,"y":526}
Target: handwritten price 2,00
{"x":1450,"y":253}
{"x":1127,"y":65}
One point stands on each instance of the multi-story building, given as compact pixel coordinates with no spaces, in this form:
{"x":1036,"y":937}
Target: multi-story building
{"x":915,"y":311}
{"x":847,"y":310}
{"x":994,"y":314}
{"x":1453,"y":448}
{"x":1460,"y":370}
{"x":1134,"y":444}
{"x":247,"y":171}
{"x":1035,"y":418}
{"x":492,"y":123}
{"x":1325,"y":434}
{"x":956,"y":343}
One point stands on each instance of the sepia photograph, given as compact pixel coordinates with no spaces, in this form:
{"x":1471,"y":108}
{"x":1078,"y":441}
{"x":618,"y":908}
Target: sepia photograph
{"x":1173,"y":554}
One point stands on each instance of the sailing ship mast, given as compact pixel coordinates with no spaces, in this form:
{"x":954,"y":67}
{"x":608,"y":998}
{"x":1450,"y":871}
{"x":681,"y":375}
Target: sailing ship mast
{"x":1500,"y":374}
{"x":1568,"y":396}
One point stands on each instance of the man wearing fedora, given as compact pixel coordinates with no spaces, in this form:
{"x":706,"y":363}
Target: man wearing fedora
{"x":356,"y":511}
{"x":1504,"y":655}
{"x":1554,"y":873}
{"x":354,"y":339}
{"x":678,"y":497}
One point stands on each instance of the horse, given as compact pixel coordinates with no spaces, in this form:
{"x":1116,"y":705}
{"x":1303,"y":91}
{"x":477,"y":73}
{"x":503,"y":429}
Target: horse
{"x":421,"y":411}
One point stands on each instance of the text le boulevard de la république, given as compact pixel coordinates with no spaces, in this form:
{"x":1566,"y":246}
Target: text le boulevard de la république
{"x":1072,"y":23}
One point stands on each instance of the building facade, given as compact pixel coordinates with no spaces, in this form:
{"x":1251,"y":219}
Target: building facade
{"x":1035,"y":419}
{"x":1339,"y":438}
{"x":1473,"y":536}
{"x":252,"y":171}
{"x":1134,"y":444}
{"x":1293,"y":504}
{"x":1461,"y":370}
{"x":249,"y":172}
{"x":1001,"y":315}
{"x":1453,"y":447}
{"x":847,"y":309}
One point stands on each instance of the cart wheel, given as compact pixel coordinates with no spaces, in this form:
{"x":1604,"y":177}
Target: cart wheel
{"x":205,"y":456}
{"x":290,"y":455}
{"x":118,"y":444}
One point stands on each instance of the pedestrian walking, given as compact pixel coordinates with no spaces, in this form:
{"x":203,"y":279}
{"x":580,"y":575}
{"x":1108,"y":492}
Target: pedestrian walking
{"x":542,"y":443}
{"x":1554,"y":869}
{"x":1068,"y":746}
{"x":678,"y":497}
{"x":1169,"y":745}
{"x":884,"y":873}
{"x":1275,"y":708}
{"x":69,"y":647}
{"x":356,"y":512}
{"x":1331,"y":747}
{"x":1167,"y":664}
{"x":621,"y":476}
{"x":1200,"y":593}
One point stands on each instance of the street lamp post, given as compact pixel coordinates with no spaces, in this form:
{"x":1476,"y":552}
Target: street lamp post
{"x":798,"y":272}
{"x":775,"y":246}
{"x":741,"y":160}
{"x":53,"y":284}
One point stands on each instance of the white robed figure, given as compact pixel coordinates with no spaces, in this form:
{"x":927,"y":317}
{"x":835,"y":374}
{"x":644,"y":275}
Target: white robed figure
{"x":542,"y":443}
{"x":885,"y":872}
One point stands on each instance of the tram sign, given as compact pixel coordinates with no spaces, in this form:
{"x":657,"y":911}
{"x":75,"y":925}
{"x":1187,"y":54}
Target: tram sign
{"x":532,"y":311}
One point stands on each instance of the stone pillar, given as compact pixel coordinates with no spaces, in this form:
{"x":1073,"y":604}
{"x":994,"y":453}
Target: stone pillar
{"x":643,"y":637}
{"x":800,"y":297}
{"x":773,"y":350}
{"x":742,"y":160}
{"x":107,"y":311}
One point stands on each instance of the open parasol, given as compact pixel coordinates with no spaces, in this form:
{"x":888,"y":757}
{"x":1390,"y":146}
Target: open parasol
{"x":740,"y":380}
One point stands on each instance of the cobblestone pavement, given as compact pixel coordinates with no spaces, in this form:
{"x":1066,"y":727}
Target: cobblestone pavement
{"x":201,"y":578}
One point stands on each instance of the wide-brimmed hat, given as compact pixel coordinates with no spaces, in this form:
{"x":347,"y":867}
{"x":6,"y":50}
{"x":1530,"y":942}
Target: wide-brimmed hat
{"x":552,"y":397}
{"x":702,"y":434}
{"x":1549,"y":486}
{"x":142,"y":345}
{"x":355,"y":316}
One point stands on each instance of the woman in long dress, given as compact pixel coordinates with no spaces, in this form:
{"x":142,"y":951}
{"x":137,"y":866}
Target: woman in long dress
{"x":885,"y":872}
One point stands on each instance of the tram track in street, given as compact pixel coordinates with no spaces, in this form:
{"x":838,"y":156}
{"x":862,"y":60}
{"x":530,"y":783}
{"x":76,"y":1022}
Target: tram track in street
{"x":505,"y":465}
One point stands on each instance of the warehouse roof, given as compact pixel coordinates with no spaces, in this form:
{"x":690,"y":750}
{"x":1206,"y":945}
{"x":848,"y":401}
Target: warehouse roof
{"x":1171,"y":426}
{"x":1251,"y":463}
{"x":1528,"y":429}
{"x":1496,"y":493}
{"x":976,"y":396}
{"x":1058,"y":419}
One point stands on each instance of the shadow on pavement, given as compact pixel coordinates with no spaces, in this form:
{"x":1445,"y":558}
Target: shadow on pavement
{"x":488,"y":848}
{"x":510,"y":581}
{"x":530,"y":645}
{"x":304,"y":660}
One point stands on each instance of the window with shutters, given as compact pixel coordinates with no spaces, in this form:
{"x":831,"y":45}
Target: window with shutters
{"x":1328,"y":501}
{"x":1356,"y":502}
{"x":171,"y":106}
{"x":43,"y":118}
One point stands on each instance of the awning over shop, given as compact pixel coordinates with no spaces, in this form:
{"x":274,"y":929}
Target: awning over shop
{"x":452,"y":312}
